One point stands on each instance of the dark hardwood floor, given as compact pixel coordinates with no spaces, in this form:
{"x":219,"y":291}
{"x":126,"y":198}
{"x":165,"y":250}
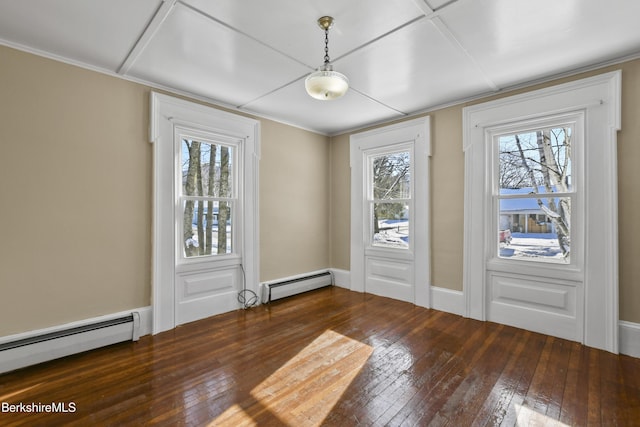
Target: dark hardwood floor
{"x":336,"y":358}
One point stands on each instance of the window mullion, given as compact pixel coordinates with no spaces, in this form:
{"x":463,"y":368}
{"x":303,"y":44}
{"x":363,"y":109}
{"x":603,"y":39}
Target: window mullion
{"x":390,"y":200}
{"x":207,"y":198}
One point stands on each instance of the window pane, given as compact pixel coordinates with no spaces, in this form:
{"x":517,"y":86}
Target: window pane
{"x":207,"y":169}
{"x":536,"y":162}
{"x":391,"y":176}
{"x":391,"y":225}
{"x":206,"y":228}
{"x":535,"y":229}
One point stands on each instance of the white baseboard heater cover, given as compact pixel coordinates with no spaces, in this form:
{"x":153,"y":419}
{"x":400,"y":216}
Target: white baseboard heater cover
{"x":288,"y":287}
{"x":47,"y":346}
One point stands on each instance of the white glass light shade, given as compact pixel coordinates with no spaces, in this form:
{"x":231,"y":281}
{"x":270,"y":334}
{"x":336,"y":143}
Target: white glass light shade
{"x":326,"y":84}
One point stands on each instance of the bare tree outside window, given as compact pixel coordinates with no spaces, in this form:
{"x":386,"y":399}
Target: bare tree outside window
{"x":207,"y":198}
{"x":535,"y":190}
{"x":391,"y":193}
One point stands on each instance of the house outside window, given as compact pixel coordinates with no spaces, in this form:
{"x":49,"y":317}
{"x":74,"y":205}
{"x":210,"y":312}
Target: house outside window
{"x":535,"y":192}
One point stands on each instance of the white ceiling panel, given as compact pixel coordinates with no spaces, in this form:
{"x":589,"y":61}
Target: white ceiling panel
{"x":402,"y":56}
{"x":293,"y":105}
{"x":98,"y":33}
{"x":413,"y":68}
{"x":193,"y":53}
{"x":518,"y":41}
{"x":291,"y":25}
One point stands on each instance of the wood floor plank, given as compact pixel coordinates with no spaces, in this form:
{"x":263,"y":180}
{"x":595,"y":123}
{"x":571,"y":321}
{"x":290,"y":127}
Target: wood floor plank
{"x":595,"y":391}
{"x":528,"y":367}
{"x":431,"y":398}
{"x":496,"y":405}
{"x":398,"y":383}
{"x":370,"y":393}
{"x":574,"y":408}
{"x":333,"y":357}
{"x":480,"y":376}
{"x":614,"y":399}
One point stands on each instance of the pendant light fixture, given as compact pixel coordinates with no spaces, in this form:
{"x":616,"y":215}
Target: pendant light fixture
{"x":326,"y":84}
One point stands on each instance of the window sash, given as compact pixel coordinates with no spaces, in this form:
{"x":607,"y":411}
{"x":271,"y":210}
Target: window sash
{"x":192,"y":246}
{"x":231,"y":190}
{"x":393,"y":238}
{"x":530,"y":248}
{"x":231,"y":199}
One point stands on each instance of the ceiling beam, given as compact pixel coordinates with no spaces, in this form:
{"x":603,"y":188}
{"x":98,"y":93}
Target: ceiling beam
{"x":149,"y":32}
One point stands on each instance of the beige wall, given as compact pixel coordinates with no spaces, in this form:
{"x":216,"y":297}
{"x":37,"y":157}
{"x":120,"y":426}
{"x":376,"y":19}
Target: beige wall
{"x":76,"y":195}
{"x":447,"y":189}
{"x":294,"y":201}
{"x":340,"y":176}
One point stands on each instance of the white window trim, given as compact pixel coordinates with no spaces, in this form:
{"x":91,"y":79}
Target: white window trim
{"x":418,"y":130}
{"x":599,"y":98}
{"x":166,"y":113}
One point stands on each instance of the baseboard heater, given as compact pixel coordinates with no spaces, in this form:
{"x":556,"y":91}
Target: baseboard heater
{"x":42,"y":347}
{"x":288,"y":287}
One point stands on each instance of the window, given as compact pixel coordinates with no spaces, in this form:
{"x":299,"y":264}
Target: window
{"x":390,"y":199}
{"x":543,"y":164}
{"x":207,"y":197}
{"x":205,"y":210}
{"x":390,"y":249}
{"x":534,"y":193}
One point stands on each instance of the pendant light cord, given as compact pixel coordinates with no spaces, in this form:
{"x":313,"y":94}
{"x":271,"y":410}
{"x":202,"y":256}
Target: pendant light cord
{"x":326,"y":47}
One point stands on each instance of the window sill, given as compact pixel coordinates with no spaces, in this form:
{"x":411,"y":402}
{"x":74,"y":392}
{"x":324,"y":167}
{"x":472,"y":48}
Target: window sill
{"x":538,"y":269}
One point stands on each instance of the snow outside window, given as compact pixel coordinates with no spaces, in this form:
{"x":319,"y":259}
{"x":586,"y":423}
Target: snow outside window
{"x":534,"y":193}
{"x":390,"y":199}
{"x":207,"y":197}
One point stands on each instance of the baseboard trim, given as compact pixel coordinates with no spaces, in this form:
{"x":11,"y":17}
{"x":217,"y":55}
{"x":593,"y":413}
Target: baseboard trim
{"x":146,"y":320}
{"x":341,"y":278}
{"x":448,"y":300}
{"x":629,"y":338}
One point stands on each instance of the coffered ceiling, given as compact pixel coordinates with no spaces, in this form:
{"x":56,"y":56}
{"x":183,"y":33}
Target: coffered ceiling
{"x":401,"y":57}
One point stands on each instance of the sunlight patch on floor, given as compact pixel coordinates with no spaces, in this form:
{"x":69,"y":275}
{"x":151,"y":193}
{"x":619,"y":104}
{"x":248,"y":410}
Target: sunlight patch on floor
{"x":529,"y":417}
{"x":305,"y":389}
